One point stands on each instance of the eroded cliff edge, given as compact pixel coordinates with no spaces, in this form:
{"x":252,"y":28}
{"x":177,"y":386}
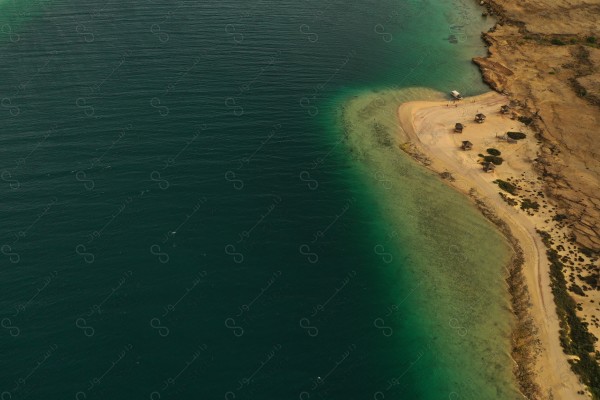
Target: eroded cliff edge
{"x":545,"y":55}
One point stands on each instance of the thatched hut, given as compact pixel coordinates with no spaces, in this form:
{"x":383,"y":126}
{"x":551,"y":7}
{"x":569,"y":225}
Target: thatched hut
{"x":466,"y":145}
{"x":458,"y":127}
{"x":488,"y":167}
{"x":479,"y":118}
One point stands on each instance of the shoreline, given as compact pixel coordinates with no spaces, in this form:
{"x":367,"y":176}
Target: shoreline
{"x":541,"y":366}
{"x":549,"y":68}
{"x":463,"y":278}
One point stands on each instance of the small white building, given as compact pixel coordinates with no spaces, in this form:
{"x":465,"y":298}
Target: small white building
{"x":456,"y":95}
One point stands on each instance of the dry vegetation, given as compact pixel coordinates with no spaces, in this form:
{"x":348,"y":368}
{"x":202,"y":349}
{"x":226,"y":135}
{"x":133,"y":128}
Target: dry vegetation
{"x":545,"y":56}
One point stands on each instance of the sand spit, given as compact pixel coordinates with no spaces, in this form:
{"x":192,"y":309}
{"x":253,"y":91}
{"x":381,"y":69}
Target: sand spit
{"x":521,"y":210}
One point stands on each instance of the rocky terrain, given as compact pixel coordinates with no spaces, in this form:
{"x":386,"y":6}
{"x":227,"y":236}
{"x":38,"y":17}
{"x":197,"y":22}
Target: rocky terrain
{"x":545,"y":56}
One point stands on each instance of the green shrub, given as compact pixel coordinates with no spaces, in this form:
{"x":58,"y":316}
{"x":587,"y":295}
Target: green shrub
{"x":590,"y":39}
{"x":506,"y":186}
{"x":574,"y":335}
{"x":494,"y":159}
{"x":560,"y":217}
{"x":516,"y":135}
{"x":525,"y":120}
{"x":591,"y":280}
{"x":557,"y":42}
{"x":493,"y":152}
{"x":527,"y":204}
{"x":577,"y":289}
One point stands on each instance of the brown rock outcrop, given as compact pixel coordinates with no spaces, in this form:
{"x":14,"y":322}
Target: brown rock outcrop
{"x":551,"y":72}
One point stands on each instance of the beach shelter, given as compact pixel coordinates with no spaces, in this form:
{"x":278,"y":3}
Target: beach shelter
{"x":488,"y":167}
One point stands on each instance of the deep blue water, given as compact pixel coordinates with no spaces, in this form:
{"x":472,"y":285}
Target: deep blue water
{"x":179,"y":215}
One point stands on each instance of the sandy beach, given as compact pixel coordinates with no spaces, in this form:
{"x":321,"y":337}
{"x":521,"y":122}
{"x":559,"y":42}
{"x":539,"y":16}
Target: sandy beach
{"x":429,"y":125}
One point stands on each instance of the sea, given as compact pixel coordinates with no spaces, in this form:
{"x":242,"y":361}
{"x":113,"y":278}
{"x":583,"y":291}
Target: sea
{"x":189,"y":209}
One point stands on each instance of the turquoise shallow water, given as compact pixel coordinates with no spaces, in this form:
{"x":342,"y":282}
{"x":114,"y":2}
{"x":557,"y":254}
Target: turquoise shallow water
{"x":183,"y":217}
